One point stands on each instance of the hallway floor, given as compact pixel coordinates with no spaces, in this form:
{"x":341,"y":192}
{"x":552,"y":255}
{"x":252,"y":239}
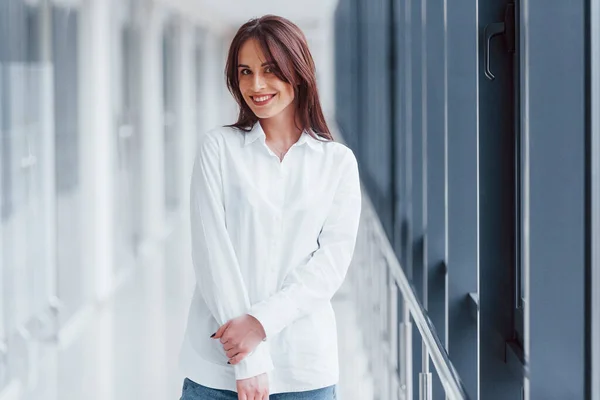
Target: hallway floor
{"x":128,"y":348}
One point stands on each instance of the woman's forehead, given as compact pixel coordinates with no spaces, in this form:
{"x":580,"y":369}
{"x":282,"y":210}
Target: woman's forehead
{"x":251,"y":52}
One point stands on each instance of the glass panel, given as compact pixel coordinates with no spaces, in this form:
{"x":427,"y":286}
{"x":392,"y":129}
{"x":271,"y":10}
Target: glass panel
{"x":5,"y":187}
{"x":71,"y":275}
{"x":3,"y":366}
{"x":128,"y":223}
{"x":198,"y":74}
{"x":26,"y":230}
{"x":5,"y":155}
{"x":171,"y":132}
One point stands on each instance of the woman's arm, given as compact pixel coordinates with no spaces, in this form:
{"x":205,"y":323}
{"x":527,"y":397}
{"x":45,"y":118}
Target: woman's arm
{"x":305,"y":288}
{"x":216,"y":266}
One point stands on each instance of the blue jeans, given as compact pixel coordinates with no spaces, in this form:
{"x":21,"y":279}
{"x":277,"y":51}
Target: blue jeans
{"x":194,"y":391}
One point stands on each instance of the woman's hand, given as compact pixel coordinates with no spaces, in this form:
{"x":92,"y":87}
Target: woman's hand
{"x":240,"y":336}
{"x":255,"y":388}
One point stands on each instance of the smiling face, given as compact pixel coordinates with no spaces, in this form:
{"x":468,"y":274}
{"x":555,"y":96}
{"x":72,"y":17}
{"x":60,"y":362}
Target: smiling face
{"x":266,"y":94}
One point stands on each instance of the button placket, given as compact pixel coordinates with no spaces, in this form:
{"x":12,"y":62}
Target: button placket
{"x":277,"y":217}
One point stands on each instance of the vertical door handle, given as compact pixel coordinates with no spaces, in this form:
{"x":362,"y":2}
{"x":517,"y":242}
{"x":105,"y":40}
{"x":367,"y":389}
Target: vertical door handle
{"x":491,"y":30}
{"x":506,"y":28}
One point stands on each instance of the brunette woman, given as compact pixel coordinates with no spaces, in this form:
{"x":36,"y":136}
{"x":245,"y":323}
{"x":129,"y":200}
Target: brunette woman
{"x":275,"y":207}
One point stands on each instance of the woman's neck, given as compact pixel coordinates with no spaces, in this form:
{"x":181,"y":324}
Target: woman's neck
{"x":282,"y":129}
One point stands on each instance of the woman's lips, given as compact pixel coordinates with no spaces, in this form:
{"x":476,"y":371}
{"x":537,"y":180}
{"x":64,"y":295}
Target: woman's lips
{"x":262,"y":99}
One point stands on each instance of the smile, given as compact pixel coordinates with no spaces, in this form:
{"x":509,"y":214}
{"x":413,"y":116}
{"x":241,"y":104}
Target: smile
{"x":263,"y":99}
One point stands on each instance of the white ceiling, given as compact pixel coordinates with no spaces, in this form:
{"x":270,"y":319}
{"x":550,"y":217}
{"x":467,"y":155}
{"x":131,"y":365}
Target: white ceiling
{"x":299,"y":11}
{"x":233,"y":13}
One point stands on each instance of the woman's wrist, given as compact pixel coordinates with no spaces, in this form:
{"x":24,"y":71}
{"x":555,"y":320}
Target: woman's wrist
{"x":259,"y":328}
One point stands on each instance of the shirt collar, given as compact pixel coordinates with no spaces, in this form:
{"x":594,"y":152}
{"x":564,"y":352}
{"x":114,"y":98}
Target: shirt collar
{"x":257,"y":133}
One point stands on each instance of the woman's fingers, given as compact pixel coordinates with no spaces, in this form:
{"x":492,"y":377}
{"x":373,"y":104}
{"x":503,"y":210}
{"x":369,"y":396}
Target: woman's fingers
{"x":232,"y":353}
{"x":228,"y":346}
{"x":254,"y":388}
{"x":237,"y":358}
{"x":219,"y":333}
{"x":246,"y":395}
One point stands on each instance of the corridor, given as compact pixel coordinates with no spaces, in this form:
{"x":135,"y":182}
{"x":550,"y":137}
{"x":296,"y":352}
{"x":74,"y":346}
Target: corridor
{"x":476,"y":129}
{"x":128,"y":347}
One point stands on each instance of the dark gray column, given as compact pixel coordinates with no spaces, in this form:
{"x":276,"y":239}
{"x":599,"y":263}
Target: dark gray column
{"x":463,"y":256}
{"x":555,"y":211}
{"x":595,"y":199}
{"x":434,"y":92}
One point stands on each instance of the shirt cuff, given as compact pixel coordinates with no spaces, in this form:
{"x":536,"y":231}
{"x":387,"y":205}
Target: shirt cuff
{"x":271,"y":316}
{"x":256,"y":363}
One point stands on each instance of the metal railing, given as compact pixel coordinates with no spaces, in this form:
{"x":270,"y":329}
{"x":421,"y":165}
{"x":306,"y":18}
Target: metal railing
{"x":381,"y":288}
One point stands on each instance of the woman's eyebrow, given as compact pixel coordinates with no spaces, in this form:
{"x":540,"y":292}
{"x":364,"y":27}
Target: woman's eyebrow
{"x":263,"y":65}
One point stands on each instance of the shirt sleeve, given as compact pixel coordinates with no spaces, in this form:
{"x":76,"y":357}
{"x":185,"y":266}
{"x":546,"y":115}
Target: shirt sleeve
{"x":306,"y":287}
{"x":216,"y":265}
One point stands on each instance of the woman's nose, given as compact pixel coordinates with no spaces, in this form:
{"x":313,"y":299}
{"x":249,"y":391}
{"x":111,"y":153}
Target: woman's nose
{"x":258,"y":82}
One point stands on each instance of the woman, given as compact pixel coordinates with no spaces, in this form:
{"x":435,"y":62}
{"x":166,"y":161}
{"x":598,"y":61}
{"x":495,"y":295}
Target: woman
{"x":275,"y":205}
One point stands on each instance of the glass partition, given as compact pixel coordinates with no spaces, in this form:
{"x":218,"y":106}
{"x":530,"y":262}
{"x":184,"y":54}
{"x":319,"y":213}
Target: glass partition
{"x":71,"y":274}
{"x":172,"y":133}
{"x":128,"y":169}
{"x":388,"y":306}
{"x":27,"y":187}
{"x":28,"y":266}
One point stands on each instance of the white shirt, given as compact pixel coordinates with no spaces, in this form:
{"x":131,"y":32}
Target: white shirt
{"x":274,"y":240}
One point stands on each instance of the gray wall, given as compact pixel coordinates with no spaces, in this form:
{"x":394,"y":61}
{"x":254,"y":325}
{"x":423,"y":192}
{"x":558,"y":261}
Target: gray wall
{"x":481,"y":184}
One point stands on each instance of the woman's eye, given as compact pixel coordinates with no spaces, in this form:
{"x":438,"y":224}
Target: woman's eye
{"x":268,"y":70}
{"x":245,"y":72}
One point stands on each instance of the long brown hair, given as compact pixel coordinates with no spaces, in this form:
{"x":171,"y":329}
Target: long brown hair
{"x":284,"y":44}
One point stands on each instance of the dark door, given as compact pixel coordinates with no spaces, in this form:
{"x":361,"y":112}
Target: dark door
{"x":499,"y":201}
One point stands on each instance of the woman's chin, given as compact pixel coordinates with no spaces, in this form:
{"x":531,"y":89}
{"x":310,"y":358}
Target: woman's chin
{"x":263,"y":114}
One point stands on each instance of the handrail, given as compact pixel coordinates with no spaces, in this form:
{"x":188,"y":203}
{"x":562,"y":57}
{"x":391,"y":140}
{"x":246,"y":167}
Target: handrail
{"x":449,"y":377}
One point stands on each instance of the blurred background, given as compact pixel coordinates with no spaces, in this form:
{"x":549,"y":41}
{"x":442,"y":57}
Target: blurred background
{"x":477,"y":129}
